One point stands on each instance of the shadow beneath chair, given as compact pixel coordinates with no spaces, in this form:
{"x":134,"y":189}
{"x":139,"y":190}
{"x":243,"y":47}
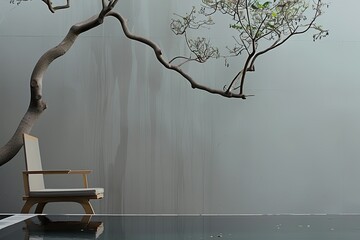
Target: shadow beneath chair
{"x":42,"y":227}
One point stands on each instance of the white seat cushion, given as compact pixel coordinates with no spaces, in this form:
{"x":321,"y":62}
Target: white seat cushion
{"x":66,"y":192}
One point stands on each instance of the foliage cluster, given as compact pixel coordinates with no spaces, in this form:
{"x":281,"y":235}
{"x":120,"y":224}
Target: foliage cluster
{"x":259,"y":26}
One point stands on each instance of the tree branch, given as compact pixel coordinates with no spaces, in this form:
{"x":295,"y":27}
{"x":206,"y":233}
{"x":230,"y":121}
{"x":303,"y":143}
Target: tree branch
{"x":53,"y":9}
{"x":159,"y":56}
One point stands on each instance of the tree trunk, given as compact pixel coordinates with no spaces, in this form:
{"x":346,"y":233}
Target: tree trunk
{"x":37,"y":104}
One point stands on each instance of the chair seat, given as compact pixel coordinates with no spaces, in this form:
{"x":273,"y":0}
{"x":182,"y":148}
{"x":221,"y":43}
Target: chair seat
{"x":67,"y":192}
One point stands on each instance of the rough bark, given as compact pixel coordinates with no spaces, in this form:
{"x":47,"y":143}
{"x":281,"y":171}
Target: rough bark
{"x":37,"y":104}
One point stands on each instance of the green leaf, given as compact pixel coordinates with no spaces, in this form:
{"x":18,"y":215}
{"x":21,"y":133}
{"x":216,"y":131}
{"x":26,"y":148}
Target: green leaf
{"x":235,"y":26}
{"x":266,"y":4}
{"x":271,"y":26}
{"x":254,"y":7}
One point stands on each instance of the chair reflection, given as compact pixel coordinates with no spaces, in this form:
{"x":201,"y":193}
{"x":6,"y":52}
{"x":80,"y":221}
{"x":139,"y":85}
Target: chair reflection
{"x":44,"y":227}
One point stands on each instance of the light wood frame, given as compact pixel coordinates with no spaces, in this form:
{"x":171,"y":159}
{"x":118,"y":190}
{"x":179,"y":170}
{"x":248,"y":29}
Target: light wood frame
{"x":41,"y":201}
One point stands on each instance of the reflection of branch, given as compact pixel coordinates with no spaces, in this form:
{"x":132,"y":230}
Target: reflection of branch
{"x":160,"y":58}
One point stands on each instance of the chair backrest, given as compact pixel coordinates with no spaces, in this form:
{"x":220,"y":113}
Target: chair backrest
{"x":33,"y":162}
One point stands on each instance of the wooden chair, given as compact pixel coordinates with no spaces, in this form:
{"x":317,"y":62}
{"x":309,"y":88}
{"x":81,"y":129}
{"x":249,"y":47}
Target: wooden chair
{"x":35,"y":191}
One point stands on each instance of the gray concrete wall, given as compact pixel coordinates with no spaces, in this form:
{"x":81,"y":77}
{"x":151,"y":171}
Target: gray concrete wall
{"x":158,"y":146}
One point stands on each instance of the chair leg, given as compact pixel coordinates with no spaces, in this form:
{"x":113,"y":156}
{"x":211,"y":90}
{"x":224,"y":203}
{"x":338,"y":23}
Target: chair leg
{"x":87,"y":207}
{"x":27,"y":206}
{"x":40,"y":207}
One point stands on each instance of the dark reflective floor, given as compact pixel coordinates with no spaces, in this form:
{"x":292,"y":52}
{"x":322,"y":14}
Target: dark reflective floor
{"x":279,"y":227}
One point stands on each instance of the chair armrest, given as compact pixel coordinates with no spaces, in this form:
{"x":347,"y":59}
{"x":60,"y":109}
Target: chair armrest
{"x":67,"y":171}
{"x":80,"y":171}
{"x":47,"y":172}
